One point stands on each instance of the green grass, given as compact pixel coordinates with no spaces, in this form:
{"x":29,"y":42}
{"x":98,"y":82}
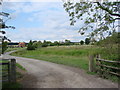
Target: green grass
{"x":16,"y":48}
{"x":76,"y":56}
{"x":21,"y":67}
{"x":6,"y":86}
{"x":92,"y":73}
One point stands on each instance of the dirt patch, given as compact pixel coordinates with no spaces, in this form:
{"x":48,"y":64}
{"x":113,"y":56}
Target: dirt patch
{"x":25,"y":79}
{"x":28,"y":81}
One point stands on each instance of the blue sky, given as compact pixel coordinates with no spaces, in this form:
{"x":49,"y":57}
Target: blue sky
{"x":40,"y":21}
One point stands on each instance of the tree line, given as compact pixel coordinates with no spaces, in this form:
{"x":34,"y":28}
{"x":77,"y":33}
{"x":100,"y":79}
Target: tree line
{"x":32,"y":45}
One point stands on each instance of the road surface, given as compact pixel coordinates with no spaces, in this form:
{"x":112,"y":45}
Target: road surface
{"x":43,"y":74}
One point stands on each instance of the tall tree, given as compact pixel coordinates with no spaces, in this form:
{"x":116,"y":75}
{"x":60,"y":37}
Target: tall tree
{"x":67,"y":42}
{"x":4,"y":46}
{"x":3,"y":18}
{"x":81,"y":42}
{"x":99,"y":17}
{"x":87,"y":41}
{"x":56,"y":43}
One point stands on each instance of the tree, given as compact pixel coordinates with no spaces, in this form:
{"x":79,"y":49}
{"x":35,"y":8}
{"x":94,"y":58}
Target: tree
{"x":3,"y":21}
{"x":37,"y":44}
{"x":87,"y":41}
{"x":30,"y":46}
{"x":67,"y":42}
{"x":5,"y":17}
{"x":44,"y":44}
{"x":98,"y":17}
{"x":4,"y":46}
{"x":110,"y":41}
{"x":56,"y":43}
{"x":48,"y":43}
{"x":81,"y":42}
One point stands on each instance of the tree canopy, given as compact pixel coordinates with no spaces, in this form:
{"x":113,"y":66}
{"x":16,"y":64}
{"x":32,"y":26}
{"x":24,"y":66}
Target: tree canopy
{"x":81,"y":42}
{"x":87,"y":41}
{"x":3,"y":18}
{"x":99,"y":17}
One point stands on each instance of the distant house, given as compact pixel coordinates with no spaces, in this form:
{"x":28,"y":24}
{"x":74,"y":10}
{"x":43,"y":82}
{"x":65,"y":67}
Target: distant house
{"x":21,"y":44}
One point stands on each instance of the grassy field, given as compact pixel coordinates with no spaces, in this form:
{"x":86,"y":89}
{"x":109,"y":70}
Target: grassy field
{"x":76,"y":56}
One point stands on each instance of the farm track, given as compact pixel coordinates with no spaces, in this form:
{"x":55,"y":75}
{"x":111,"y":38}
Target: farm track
{"x":43,"y":74}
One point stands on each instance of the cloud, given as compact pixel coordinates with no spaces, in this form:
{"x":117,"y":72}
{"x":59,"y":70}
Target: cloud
{"x":55,"y":23}
{"x":26,"y":34}
{"x":32,"y":0}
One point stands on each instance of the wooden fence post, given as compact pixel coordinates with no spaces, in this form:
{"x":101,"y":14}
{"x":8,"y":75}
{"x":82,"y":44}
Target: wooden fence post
{"x":118,"y":71}
{"x":100,"y":62}
{"x":119,"y":80}
{"x":98,"y":56}
{"x":91,"y":63}
{"x":13,"y":70}
{"x":9,"y":76}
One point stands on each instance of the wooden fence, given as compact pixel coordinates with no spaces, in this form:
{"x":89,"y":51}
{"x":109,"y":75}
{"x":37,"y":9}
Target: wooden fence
{"x":104,"y":66}
{"x":111,"y":68}
{"x":8,"y":70}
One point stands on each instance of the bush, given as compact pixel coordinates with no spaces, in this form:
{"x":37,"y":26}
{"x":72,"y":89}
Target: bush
{"x":44,"y":45}
{"x":30,"y":46}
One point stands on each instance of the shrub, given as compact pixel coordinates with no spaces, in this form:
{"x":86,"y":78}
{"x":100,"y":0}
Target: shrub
{"x":30,"y":46}
{"x":44,"y":45}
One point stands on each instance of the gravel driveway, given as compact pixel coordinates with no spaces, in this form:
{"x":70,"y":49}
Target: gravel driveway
{"x":43,"y":74}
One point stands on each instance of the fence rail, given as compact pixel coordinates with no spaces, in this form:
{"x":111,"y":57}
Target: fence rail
{"x":98,"y":59}
{"x":102,"y":65}
{"x":8,"y":70}
{"x":104,"y":68}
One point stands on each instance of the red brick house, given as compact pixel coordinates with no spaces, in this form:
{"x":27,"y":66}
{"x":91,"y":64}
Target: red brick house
{"x":21,"y":44}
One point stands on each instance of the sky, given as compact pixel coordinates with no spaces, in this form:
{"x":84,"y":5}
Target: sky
{"x":40,"y":21}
